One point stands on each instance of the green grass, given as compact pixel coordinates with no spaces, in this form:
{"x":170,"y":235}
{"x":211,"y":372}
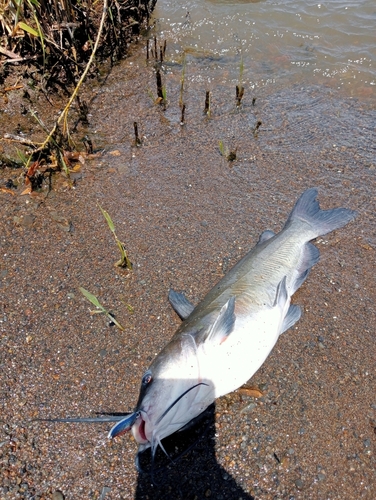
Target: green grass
{"x":100,"y":309}
{"x":124,"y":260}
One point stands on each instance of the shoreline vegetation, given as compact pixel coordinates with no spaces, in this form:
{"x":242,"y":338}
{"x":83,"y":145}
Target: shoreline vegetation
{"x":55,"y":46}
{"x":58,"y":37}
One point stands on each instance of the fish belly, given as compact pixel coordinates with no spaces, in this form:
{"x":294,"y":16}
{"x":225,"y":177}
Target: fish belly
{"x":231,"y":364}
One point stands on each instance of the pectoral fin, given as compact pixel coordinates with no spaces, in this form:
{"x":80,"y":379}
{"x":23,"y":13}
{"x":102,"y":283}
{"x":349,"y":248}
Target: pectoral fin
{"x":293,"y":313}
{"x":224,"y":324}
{"x":281,"y":295}
{"x":180,"y":304}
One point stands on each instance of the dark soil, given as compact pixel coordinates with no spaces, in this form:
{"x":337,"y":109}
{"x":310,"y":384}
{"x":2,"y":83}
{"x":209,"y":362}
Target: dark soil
{"x":186,"y":216}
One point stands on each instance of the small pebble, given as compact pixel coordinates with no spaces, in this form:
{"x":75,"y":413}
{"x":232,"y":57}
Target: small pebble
{"x":104,"y":492}
{"x":57,"y":495}
{"x":27,"y":220}
{"x":249,"y":407}
{"x":299,"y":484}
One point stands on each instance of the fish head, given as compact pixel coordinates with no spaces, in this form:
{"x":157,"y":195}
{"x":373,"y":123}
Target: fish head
{"x":172,"y":393}
{"x":178,"y":385}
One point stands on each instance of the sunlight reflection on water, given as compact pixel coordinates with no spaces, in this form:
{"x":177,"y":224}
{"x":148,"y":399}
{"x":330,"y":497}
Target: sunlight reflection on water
{"x":280,"y":42}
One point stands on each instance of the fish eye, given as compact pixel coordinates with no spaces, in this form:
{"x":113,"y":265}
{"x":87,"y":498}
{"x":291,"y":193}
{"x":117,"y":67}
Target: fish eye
{"x":147,"y":378}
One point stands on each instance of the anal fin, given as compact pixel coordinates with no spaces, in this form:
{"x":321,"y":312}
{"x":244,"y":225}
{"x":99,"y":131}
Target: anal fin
{"x":293,"y":315}
{"x":310,"y":257}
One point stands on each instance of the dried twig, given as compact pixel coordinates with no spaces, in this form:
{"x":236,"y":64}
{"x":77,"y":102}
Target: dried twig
{"x":64,"y":114}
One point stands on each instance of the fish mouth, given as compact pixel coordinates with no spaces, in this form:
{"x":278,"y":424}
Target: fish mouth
{"x":134,"y":422}
{"x":123,"y":425}
{"x":143,"y":427}
{"x":139,"y":431}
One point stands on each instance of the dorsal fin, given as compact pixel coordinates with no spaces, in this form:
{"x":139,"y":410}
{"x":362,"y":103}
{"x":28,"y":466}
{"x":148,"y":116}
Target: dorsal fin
{"x":265,"y":236}
{"x":180,"y":304}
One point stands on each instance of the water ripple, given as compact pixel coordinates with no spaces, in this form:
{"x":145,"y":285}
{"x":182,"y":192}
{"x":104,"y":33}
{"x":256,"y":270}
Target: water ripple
{"x":288,"y":41}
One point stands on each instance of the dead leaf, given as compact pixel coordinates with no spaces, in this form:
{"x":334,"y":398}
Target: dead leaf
{"x":115,"y":153}
{"x":27,"y":190}
{"x":366,"y":246}
{"x":72,"y":155}
{"x":7,"y":190}
{"x":250,"y":390}
{"x":32,"y":169}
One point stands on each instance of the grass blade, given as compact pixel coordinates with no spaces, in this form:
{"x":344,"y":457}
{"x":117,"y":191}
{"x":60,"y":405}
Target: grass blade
{"x":92,"y":298}
{"x":106,"y":215}
{"x":28,"y":29}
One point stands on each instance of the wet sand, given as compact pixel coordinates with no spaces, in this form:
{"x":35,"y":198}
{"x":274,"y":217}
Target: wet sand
{"x":186,"y":216}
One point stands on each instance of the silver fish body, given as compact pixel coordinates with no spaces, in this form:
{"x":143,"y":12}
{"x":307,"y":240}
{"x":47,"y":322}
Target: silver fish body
{"x":225,"y":339}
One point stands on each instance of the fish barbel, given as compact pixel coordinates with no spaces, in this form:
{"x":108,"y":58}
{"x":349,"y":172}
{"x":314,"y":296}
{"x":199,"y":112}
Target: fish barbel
{"x":225,"y":339}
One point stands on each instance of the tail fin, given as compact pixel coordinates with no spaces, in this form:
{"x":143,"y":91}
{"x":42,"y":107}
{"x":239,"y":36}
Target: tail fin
{"x":307,"y":209}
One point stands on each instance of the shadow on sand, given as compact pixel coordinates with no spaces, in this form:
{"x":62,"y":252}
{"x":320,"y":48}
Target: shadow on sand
{"x":192,"y":472}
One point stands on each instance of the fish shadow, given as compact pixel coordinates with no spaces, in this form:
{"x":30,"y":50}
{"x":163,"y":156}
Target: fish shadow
{"x":192,"y":471}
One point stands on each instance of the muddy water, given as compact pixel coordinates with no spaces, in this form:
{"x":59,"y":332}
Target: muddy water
{"x":281,"y":42}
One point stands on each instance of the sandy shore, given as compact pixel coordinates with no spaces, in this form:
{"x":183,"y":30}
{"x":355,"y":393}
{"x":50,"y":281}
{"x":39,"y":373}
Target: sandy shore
{"x":186,"y":216}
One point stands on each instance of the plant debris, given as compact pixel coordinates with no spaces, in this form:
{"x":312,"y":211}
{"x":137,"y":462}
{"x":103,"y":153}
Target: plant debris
{"x":101,"y":310}
{"x":230,"y":155}
{"x":207,"y":103}
{"x":124,"y":260}
{"x":239,"y":95}
{"x":250,"y":390}
{"x":256,"y":128}
{"x":60,"y":45}
{"x":57,"y":37}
